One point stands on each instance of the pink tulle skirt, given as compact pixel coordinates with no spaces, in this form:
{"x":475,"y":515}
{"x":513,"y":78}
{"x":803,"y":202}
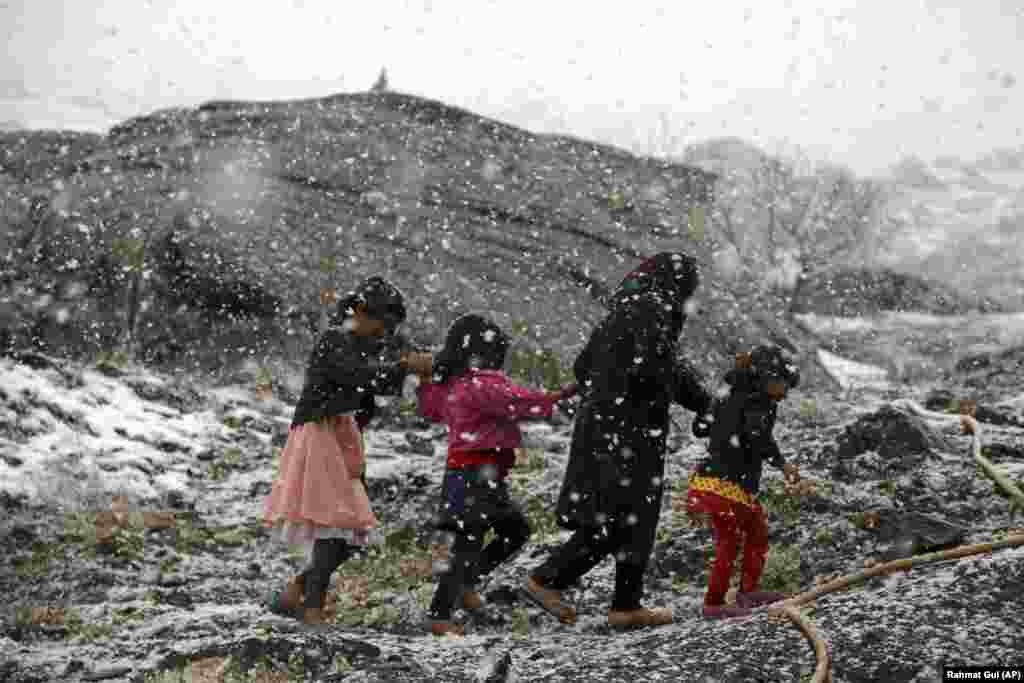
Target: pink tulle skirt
{"x":318,"y":492}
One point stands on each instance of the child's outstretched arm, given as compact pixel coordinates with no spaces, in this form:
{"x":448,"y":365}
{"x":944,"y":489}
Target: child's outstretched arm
{"x":334,"y":353}
{"x":688,"y":390}
{"x":654,"y":357}
{"x":514,"y":402}
{"x":431,"y":399}
{"x":758,"y":424}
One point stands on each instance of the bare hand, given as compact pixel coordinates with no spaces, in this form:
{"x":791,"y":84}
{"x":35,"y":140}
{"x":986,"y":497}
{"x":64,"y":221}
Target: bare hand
{"x":420,"y":363}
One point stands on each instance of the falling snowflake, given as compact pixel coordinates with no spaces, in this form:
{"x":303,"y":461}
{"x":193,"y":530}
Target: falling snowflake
{"x":638,"y":360}
{"x":625,"y":482}
{"x":734,"y":441}
{"x":655,"y":432}
{"x":489,"y":336}
{"x":632,"y":519}
{"x":469,"y":436}
{"x":655,"y":481}
{"x":574,"y":497}
{"x":619,"y":400}
{"x":465,"y":341}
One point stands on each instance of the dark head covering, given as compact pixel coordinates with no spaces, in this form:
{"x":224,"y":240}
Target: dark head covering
{"x":770,"y":363}
{"x":672,"y":276}
{"x":382,"y":299}
{"x":764,"y":364}
{"x":473,"y":341}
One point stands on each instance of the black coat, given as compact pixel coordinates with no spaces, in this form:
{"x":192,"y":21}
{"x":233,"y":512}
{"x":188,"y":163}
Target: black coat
{"x":628,"y":375}
{"x":344,"y":373}
{"x":741,"y":434}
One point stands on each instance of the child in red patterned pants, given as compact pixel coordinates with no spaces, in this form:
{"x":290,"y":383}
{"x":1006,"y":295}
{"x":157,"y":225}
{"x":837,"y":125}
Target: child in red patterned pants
{"x":724,"y":487}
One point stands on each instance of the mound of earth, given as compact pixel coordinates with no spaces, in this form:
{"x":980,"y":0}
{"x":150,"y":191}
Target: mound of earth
{"x":212,"y":235}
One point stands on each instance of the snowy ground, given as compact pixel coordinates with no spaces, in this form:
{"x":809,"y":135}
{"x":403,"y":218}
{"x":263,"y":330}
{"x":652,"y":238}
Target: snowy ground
{"x":74,"y":437}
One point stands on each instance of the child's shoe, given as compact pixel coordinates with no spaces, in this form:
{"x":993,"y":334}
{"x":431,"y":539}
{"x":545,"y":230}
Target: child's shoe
{"x":759,"y":598}
{"x":472,"y":601}
{"x":549,"y":600}
{"x":724,"y":612}
{"x":291,"y":598}
{"x":447,"y":628}
{"x":641,"y":616}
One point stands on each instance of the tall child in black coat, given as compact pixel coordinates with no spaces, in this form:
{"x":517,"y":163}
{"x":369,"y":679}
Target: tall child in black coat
{"x":724,"y":487}
{"x":628,"y":374}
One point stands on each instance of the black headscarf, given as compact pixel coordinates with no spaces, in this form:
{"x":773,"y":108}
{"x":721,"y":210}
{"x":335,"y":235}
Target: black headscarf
{"x":672,"y":276}
{"x":770,"y":363}
{"x":473,"y":341}
{"x":382,"y":299}
{"x":764,"y":364}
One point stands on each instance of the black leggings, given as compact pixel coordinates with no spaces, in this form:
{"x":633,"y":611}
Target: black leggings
{"x":470,"y":560}
{"x":328,"y":554}
{"x":584,"y":551}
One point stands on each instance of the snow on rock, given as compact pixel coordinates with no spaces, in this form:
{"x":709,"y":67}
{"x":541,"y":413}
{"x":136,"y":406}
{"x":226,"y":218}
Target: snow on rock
{"x":851,"y":374}
{"x":93,"y":423}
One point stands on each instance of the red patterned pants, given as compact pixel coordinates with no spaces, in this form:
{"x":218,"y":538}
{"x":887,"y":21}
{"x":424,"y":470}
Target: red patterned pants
{"x":728,"y":520}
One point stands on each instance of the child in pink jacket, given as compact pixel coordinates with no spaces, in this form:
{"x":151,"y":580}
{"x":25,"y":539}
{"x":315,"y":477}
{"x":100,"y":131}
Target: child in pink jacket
{"x":482,"y":407}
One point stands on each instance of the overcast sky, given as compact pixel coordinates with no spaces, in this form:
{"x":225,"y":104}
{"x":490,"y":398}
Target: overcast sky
{"x":860,"y":83}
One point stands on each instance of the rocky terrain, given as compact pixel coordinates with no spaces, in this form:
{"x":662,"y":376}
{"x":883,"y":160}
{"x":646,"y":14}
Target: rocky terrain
{"x":159,"y":289}
{"x":132,"y":549}
{"x":211,"y":237}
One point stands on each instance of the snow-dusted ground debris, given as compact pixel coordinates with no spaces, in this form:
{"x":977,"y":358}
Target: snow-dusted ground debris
{"x":208,"y":453}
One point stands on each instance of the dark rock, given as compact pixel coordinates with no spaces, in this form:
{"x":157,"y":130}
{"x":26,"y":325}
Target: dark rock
{"x":984,"y":369}
{"x":74,"y":666}
{"x":495,"y":668}
{"x":252,"y":650}
{"x":22,"y":534}
{"x":109,"y":370}
{"x":279,"y":439}
{"x":917,"y":532}
{"x":260,"y":488}
{"x":198,"y":276}
{"x":35,"y":360}
{"x":12,"y":460}
{"x":173,"y":580}
{"x":105,"y":673}
{"x":182,"y":599}
{"x":180,"y":398}
{"x":420,"y":445}
{"x":900,"y":438}
{"x":856,"y":292}
{"x":942,"y":400}
{"x":503,"y":595}
{"x":998,"y":452}
{"x":175,"y":499}
{"x":11,"y":502}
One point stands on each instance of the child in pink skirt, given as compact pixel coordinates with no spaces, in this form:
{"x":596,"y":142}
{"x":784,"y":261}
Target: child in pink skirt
{"x":319,"y":497}
{"x":482,"y":407}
